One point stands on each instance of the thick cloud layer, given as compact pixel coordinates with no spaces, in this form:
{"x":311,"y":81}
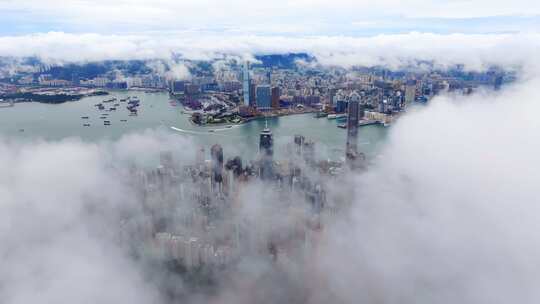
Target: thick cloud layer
{"x":449,"y":214}
{"x":394,"y":51}
{"x":60,"y":207}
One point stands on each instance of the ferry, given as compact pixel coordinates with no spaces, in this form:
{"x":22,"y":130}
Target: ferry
{"x":367,"y":123}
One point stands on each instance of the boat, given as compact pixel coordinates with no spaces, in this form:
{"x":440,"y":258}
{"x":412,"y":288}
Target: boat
{"x":367,"y":123}
{"x":112,"y":109}
{"x":343,"y":126}
{"x":341,"y":116}
{"x":320,"y":114}
{"x":102,"y":117}
{"x":211,"y":131}
{"x":84,"y":117}
{"x":331,"y":116}
{"x":123,"y":120}
{"x":86,"y":125}
{"x":133,"y":114}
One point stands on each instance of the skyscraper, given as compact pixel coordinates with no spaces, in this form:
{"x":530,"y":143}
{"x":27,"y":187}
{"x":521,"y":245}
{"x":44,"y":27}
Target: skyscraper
{"x":269,"y":77}
{"x":246,"y":84}
{"x":410,"y":91}
{"x":264,"y":101}
{"x":216,"y":153}
{"x":252,"y":95}
{"x":352,"y":127}
{"x":275,"y":97}
{"x":266,"y":153}
{"x":331,"y":94}
{"x":382,"y":105}
{"x":299,"y":142}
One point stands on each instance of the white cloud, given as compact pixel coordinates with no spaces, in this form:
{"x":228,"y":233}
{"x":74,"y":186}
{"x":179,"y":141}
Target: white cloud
{"x":476,"y":51}
{"x":449,"y":213}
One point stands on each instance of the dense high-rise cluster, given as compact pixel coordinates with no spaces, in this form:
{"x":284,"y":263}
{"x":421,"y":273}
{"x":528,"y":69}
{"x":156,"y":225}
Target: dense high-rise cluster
{"x":196,"y":212}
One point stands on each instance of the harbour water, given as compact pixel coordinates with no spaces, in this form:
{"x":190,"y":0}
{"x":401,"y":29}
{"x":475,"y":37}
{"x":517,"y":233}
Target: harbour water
{"x":58,"y":121}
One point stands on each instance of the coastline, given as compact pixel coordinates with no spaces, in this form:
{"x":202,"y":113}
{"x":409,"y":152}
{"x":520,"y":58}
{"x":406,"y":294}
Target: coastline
{"x":249,"y":119}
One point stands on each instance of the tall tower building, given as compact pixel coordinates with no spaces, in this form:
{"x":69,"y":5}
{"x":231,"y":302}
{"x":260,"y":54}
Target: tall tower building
{"x":275,"y":97}
{"x":216,"y":153}
{"x":264,"y":98}
{"x":266,"y":153}
{"x":299,"y":142}
{"x":252,"y":94}
{"x":410,"y":91}
{"x":352,"y":127}
{"x":246,"y":84}
{"x":269,"y":77}
{"x":331,"y":94}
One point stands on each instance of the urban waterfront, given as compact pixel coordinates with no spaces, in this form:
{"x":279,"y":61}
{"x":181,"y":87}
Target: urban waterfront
{"x":34,"y":120}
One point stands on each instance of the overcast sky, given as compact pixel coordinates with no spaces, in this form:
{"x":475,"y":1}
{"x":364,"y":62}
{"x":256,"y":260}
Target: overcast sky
{"x":296,"y":17}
